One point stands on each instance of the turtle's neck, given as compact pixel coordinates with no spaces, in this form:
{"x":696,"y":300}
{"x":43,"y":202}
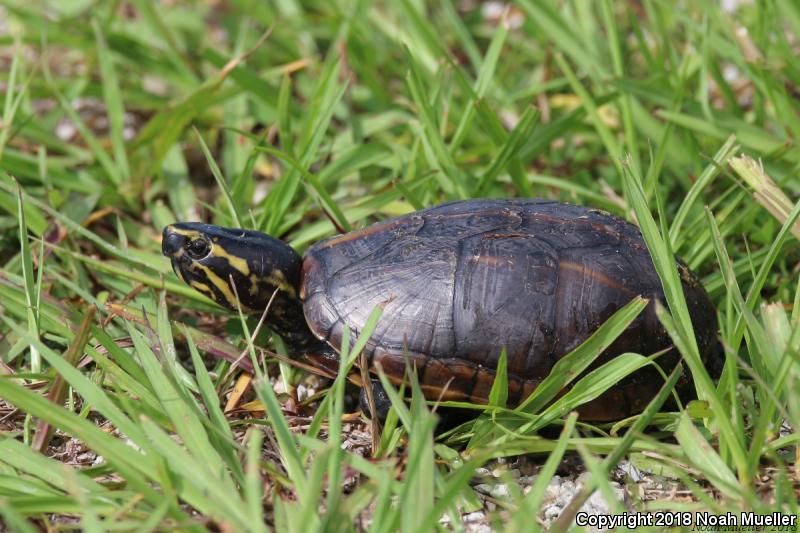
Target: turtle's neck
{"x":287,"y":319}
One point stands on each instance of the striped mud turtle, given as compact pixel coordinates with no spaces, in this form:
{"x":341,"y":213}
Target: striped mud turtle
{"x":458,"y":283}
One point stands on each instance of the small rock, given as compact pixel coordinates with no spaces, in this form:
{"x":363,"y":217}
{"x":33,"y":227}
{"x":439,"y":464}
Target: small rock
{"x":65,"y":130}
{"x":483,"y":488}
{"x":596,"y":504}
{"x":631,"y":471}
{"x":302,"y":392}
{"x":551,"y":512}
{"x":499,"y":490}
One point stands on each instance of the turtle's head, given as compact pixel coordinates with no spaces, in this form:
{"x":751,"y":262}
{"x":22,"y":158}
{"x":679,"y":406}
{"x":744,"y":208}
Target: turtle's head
{"x":223,"y":263}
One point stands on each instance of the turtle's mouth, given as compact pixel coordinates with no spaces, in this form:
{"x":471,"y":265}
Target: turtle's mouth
{"x":173,"y":245}
{"x":176,"y":267}
{"x":187,"y":271}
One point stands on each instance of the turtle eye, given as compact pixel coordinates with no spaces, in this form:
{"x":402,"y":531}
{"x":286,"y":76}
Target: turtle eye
{"x":198,"y":248}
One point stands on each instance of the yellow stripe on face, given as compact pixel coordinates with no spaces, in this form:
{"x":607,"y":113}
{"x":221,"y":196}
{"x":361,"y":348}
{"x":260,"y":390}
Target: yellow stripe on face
{"x":179,"y":271}
{"x":237,"y":263}
{"x":203,"y":288}
{"x":253,"y":285}
{"x":278,"y":279}
{"x":223,"y":287}
{"x":188,"y":233}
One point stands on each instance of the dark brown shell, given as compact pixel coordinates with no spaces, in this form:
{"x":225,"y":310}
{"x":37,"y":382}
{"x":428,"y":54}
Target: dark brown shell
{"x":461,"y":281}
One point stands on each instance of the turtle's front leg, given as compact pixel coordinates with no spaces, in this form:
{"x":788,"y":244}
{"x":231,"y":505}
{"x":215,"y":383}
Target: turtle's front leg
{"x":448,"y":417}
{"x":319,"y":355}
{"x":382,"y":401}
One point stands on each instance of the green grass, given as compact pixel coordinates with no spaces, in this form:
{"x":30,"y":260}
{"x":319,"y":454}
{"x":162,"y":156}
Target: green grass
{"x":302,"y":118}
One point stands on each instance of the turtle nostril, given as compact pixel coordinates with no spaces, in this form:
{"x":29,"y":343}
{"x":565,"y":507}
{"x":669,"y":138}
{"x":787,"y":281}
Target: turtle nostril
{"x":171,"y":242}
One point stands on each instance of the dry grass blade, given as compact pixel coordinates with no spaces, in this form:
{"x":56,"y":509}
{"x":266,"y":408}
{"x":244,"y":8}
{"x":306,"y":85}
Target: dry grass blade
{"x":58,"y":391}
{"x":765,"y":190}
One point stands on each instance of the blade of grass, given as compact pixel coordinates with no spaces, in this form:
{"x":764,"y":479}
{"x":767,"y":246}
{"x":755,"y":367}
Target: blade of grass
{"x":253,"y":487}
{"x":565,"y":520}
{"x":220,"y":179}
{"x":12,"y":100}
{"x":113,"y":100}
{"x":530,"y":506}
{"x":50,"y":471}
{"x":181,"y":411}
{"x":704,"y":458}
{"x":522,"y":131}
{"x":195,"y":477}
{"x":13,"y":519}
{"x":215,"y":414}
{"x":485,"y":75}
{"x":703,"y":182}
{"x":625,"y":97}
{"x":417,"y":491}
{"x":132,"y":465}
{"x":31,"y":295}
{"x":58,"y":389}
{"x":762,"y":349}
{"x":570,"y":366}
{"x":324,"y":198}
{"x":451,"y":178}
{"x":682,"y":329}
{"x":592,"y":112}
{"x":324,"y":100}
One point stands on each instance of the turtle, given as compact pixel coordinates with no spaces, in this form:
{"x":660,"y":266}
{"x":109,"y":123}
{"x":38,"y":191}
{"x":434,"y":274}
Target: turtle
{"x":458,"y":284}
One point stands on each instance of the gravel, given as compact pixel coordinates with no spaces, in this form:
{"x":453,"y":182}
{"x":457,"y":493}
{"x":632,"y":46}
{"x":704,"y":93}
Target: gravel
{"x":491,"y":484}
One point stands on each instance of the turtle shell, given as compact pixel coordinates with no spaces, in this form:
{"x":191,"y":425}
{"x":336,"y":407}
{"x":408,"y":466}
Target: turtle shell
{"x":460,"y":282}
